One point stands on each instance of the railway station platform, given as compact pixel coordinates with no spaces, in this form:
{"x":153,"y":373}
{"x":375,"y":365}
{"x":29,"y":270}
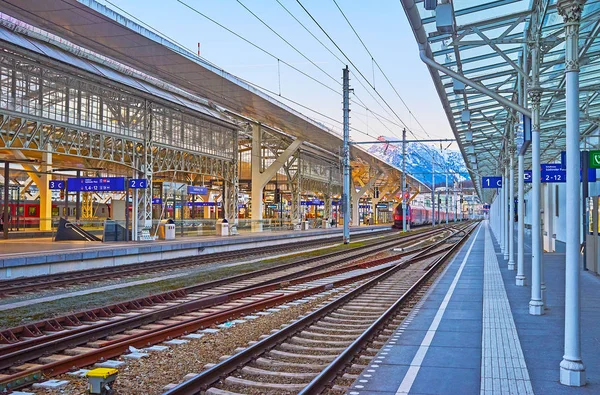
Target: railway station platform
{"x":39,"y":256}
{"x":472,"y":332}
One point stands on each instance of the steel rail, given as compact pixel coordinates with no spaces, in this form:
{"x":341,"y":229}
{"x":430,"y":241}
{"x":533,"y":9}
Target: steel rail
{"x":331,"y":372}
{"x":117,"y":347}
{"x":34,"y":330}
{"x":210,"y":376}
{"x":12,"y":287}
{"x":43,"y":345}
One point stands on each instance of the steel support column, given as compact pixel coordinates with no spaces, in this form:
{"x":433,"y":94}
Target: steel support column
{"x":503,"y":238}
{"x":572,"y":370}
{"x":536,"y":304}
{"x":6,"y":208}
{"x":511,"y":201}
{"x":521,"y":279}
{"x":346,"y":180}
{"x":45,"y":192}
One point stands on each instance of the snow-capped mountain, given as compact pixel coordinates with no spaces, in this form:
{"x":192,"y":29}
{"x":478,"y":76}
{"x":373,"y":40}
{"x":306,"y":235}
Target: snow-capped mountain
{"x":419,"y":161}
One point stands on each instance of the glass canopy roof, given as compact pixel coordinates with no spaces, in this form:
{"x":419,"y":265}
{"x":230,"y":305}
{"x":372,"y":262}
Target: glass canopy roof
{"x":486,"y":45}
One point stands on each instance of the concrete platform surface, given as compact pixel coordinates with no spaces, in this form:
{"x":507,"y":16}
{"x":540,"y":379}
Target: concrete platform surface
{"x":48,"y":255}
{"x":472,"y":332}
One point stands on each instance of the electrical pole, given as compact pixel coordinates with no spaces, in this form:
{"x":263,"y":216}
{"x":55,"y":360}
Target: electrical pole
{"x":432,"y":190}
{"x":404,"y":208}
{"x":446,"y":194}
{"x":346,"y":192}
{"x":455,"y":202}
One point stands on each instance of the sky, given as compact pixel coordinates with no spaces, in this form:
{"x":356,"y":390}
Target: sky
{"x":381,"y":24}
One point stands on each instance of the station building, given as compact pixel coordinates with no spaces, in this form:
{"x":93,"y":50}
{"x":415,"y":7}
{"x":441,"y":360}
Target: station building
{"x":129,"y":103}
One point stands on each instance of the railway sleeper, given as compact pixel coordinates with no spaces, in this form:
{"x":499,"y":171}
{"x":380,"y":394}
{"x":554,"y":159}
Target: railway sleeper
{"x":295,"y":347}
{"x":281,"y":388}
{"x":265,"y":362}
{"x":248,"y":370}
{"x":333,"y":343}
{"x":336,"y":330}
{"x":294,"y":356}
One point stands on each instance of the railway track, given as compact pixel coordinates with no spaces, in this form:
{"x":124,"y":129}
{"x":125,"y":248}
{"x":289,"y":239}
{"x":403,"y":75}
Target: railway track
{"x":22,"y":285}
{"x":337,"y":341}
{"x":97,"y":336}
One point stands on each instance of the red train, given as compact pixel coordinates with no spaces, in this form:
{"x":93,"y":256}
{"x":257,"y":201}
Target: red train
{"x":418,"y":216}
{"x":27,"y":212}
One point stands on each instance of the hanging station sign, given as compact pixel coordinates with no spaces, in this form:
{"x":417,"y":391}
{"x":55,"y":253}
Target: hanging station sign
{"x":491,"y":182}
{"x":553,"y":172}
{"x":527,"y":176}
{"x":137,"y":183}
{"x":56,"y":184}
{"x":98,"y":184}
{"x":196,"y":190}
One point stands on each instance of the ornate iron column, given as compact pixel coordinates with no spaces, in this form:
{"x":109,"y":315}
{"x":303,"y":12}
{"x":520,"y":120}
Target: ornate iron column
{"x":572,"y":370}
{"x":536,"y":304}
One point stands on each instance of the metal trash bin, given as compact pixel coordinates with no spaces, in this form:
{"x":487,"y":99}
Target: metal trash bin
{"x":305,"y":225}
{"x":166,"y":229}
{"x":222,"y":227}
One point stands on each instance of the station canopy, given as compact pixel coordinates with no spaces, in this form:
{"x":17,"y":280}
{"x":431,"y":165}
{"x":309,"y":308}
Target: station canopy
{"x":485,"y":44}
{"x":91,"y":25}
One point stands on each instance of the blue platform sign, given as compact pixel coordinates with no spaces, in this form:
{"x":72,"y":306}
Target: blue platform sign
{"x":591,"y":175}
{"x":196,"y":190}
{"x":203,"y":204}
{"x":98,"y":184}
{"x":156,"y":200}
{"x":138,"y":183}
{"x":491,"y":182}
{"x":528,"y":176}
{"x":553,"y":172}
{"x":314,"y":202}
{"x":56,"y":184}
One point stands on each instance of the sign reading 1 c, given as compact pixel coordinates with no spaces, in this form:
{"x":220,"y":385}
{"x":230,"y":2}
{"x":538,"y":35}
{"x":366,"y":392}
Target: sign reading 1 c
{"x":491,"y":182}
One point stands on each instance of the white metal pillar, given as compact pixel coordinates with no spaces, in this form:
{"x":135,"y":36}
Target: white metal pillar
{"x":511,"y":202}
{"x":506,"y":217}
{"x":536,"y":304}
{"x":521,"y":278}
{"x":572,"y":370}
{"x":502,"y":218}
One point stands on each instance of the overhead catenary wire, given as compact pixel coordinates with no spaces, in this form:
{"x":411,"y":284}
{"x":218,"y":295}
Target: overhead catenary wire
{"x":241,"y":79}
{"x":362,"y":104}
{"x":246,"y":81}
{"x":256,"y":46}
{"x":296,"y":49}
{"x":265,"y":51}
{"x":355,"y":67}
{"x":374,"y":61}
